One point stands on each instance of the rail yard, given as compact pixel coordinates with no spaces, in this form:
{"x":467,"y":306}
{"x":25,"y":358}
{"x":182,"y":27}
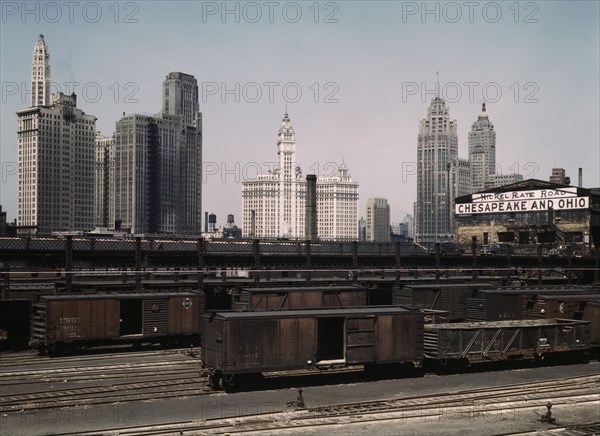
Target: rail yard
{"x":289,"y":337}
{"x":160,"y":392}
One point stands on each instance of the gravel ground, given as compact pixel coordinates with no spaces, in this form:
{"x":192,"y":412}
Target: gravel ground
{"x":219,"y":405}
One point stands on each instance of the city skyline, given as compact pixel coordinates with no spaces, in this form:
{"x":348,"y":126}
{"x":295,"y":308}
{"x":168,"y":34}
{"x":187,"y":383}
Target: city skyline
{"x":373,"y":125}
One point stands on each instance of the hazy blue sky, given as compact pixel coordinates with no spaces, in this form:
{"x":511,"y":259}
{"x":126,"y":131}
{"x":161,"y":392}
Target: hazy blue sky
{"x":373,"y":63}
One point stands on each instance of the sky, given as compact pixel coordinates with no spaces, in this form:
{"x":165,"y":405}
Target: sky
{"x":356,"y":78}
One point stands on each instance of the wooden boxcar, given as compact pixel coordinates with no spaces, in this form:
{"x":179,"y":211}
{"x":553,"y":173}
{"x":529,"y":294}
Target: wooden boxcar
{"x":500,"y":340}
{"x":513,"y":303}
{"x":299,"y":297}
{"x":29,"y":291}
{"x":443,"y":296}
{"x":94,"y":319}
{"x":238,"y":343}
{"x":582,"y":306}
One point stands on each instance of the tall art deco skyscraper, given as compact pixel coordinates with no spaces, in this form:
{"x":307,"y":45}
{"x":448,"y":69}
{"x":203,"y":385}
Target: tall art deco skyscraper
{"x":180,"y":97}
{"x":56,"y":157}
{"x":158,"y":163}
{"x":482,"y":151}
{"x":437,"y":161}
{"x":40,"y":74}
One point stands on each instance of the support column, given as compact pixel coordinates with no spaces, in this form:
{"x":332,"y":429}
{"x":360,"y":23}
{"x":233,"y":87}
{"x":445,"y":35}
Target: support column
{"x":68,"y":264}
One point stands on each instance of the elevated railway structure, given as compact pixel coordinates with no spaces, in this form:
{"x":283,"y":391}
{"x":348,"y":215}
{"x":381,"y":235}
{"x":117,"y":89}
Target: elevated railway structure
{"x":144,"y":259}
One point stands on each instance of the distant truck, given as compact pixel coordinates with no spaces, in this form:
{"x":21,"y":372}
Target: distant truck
{"x":495,"y":250}
{"x":560,"y":251}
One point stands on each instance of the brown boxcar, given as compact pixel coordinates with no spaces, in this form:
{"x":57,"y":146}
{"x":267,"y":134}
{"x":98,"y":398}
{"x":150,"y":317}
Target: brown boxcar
{"x":238,"y":343}
{"x":29,"y":291}
{"x":443,"y":296}
{"x":512,"y":303}
{"x":584,"y":306}
{"x":299,"y":297}
{"x":83,"y":320}
{"x":500,"y":340}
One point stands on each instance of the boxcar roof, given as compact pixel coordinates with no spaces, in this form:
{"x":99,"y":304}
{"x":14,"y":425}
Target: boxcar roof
{"x":120,"y":296}
{"x":372,"y":310}
{"x":30,"y":286}
{"x":452,"y":285}
{"x":515,"y":323}
{"x":305,"y":289}
{"x":571,"y":297}
{"x":573,"y":290}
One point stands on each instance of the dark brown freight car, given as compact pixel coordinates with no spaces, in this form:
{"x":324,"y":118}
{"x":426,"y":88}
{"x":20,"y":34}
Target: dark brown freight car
{"x":513,"y":303}
{"x":449,"y":297}
{"x":99,"y":319}
{"x":299,"y":297}
{"x":240,"y":345}
{"x":584,"y":306}
{"x":500,"y":340}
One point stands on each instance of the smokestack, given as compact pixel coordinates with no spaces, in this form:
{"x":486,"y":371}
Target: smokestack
{"x":310,"y":220}
{"x":205,"y":222}
{"x":581,"y":177}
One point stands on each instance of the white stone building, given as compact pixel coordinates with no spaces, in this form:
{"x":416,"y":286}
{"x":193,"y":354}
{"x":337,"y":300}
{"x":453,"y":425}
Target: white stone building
{"x":337,"y":206}
{"x":56,"y":157}
{"x":273,"y":204}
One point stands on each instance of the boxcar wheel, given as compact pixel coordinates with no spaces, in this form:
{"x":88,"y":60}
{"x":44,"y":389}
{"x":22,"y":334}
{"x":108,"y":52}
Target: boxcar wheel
{"x":216,"y":381}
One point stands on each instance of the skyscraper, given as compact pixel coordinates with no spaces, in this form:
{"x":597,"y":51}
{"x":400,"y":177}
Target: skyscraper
{"x":180,"y":97}
{"x":437,"y":156}
{"x":40,"y":74}
{"x":273,"y":204}
{"x":158,"y":163}
{"x":362,"y":229}
{"x":378,"y":220}
{"x":482,"y":151}
{"x":56,"y":157}
{"x":104,"y":182}
{"x":337,"y":206}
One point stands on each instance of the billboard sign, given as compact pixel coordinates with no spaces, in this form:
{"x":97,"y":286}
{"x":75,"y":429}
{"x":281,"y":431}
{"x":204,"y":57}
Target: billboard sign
{"x":523,"y":201}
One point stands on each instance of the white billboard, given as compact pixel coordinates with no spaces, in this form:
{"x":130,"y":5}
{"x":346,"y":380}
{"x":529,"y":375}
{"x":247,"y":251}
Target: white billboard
{"x":541,"y":194}
{"x":534,"y":205}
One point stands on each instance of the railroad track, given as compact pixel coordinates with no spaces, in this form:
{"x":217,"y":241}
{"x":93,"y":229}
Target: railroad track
{"x":91,"y":380}
{"x":521,"y":397}
{"x":28,"y":358}
{"x":103,"y":394}
{"x":104,"y":372}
